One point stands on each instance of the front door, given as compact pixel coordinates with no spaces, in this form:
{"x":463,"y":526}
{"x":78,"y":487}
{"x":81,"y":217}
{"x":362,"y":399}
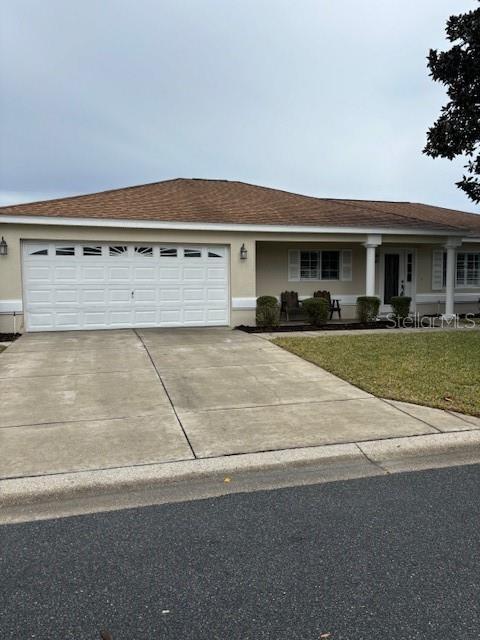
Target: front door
{"x":391,"y":284}
{"x":397,"y":276}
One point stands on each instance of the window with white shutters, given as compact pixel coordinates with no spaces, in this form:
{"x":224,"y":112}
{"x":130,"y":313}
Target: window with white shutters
{"x":319,"y":265}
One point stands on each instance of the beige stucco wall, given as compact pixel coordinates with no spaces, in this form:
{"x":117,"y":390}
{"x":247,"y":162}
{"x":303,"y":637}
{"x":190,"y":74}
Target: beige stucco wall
{"x":272,"y":272}
{"x":266,"y":273}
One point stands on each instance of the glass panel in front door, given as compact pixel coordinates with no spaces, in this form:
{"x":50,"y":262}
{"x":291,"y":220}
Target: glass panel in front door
{"x":392,"y":272}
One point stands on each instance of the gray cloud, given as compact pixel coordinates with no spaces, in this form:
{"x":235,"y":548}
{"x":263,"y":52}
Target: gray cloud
{"x":318,"y":96}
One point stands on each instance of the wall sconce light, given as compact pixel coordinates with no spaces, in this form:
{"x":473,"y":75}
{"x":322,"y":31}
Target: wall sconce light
{"x":3,"y":247}
{"x":243,"y":252}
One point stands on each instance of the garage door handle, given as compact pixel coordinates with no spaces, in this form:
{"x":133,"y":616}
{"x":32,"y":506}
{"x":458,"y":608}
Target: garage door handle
{"x":133,"y":293}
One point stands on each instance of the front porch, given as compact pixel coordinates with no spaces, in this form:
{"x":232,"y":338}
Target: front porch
{"x":423,"y":268}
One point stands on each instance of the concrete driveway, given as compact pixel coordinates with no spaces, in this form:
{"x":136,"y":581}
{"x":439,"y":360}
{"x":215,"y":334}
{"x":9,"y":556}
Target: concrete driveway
{"x":75,"y":401}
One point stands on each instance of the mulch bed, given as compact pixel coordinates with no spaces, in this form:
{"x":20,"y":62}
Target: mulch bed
{"x":9,"y":337}
{"x":350,"y":326}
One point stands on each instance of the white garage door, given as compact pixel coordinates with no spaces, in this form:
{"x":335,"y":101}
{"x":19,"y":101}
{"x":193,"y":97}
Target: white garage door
{"x":99,"y":285}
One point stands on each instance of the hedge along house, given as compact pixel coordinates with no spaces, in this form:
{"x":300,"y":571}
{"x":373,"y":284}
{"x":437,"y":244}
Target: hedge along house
{"x":198,"y":253}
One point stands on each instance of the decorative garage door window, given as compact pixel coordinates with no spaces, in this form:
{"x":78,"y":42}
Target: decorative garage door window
{"x":65,"y":251}
{"x":192,"y":253}
{"x":168,"y":252}
{"x":144,"y":251}
{"x":92,"y":251}
{"x":78,"y":285}
{"x":118,"y":250}
{"x":37,"y":250}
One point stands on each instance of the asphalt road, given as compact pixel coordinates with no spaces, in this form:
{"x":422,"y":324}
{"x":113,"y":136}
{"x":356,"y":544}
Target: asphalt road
{"x":380,"y":558}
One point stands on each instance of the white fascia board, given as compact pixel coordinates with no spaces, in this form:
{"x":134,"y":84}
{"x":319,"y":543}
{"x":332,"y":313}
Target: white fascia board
{"x":206,"y":226}
{"x":432,"y":298}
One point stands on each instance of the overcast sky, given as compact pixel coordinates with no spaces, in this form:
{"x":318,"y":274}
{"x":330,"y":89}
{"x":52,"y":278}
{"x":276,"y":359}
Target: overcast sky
{"x":324,"y":97}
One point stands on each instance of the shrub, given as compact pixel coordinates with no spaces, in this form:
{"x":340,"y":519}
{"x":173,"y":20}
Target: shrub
{"x":267,"y":312}
{"x":367,"y":308}
{"x":400,"y":306}
{"x":317,"y":310}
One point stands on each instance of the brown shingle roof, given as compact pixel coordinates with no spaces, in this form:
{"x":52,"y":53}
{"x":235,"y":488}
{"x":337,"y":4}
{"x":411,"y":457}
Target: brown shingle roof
{"x":222,"y":201}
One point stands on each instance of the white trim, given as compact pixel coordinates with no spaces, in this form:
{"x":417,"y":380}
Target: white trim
{"x":346,"y":299}
{"x":9,"y":306}
{"x":425,"y":298}
{"x":351,"y":299}
{"x":210,"y":226}
{"x":244,"y":303}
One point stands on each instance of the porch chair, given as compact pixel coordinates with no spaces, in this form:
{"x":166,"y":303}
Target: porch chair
{"x":333,"y":303}
{"x":289,"y":303}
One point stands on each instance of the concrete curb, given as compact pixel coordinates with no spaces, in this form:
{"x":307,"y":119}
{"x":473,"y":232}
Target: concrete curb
{"x":66,"y":485}
{"x":388,"y":456}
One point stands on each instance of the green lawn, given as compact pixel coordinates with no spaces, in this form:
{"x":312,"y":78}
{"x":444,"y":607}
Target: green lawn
{"x":435,"y":369}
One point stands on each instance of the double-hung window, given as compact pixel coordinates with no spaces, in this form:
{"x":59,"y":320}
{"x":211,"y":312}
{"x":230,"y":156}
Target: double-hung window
{"x":468,"y":269}
{"x":309,"y":265}
{"x":319,"y":265}
{"x":467,"y":272}
{"x":330,"y":265}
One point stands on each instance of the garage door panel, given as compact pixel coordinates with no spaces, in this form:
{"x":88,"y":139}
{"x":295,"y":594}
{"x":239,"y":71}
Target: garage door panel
{"x":217,"y":316}
{"x":89,"y":274}
{"x":169,"y":273}
{"x":166,"y":316}
{"x":123,"y":318}
{"x":191,"y":274}
{"x":41,"y":296}
{"x":100,"y":285}
{"x":34,"y":273}
{"x":149,"y":274}
{"x":216,"y":273}
{"x":173,"y":294}
{"x":119,"y":274}
{"x":116,"y":296}
{"x":65,"y":274}
{"x":193,"y":315}
{"x":145,"y":317}
{"x":145,"y":295}
{"x":216,"y":294}
{"x":192,"y":295}
{"x":89,"y":296}
{"x":62,"y":296}
{"x":67,"y":319}
{"x":41,"y":320}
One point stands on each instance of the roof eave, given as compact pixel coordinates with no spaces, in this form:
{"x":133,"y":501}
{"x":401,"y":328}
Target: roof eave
{"x":215,"y":226}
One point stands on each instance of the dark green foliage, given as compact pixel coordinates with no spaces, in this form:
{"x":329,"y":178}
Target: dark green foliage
{"x":367,"y":308}
{"x":267,"y":301}
{"x":400,"y":306}
{"x":457,"y":130}
{"x":317,"y":310}
{"x":267,"y":312}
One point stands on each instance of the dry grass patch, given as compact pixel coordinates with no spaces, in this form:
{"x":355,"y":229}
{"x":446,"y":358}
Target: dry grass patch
{"x":435,"y":369}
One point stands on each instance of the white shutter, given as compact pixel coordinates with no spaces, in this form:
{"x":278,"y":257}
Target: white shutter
{"x":346,"y":265}
{"x":437,"y":270}
{"x":293,"y":265}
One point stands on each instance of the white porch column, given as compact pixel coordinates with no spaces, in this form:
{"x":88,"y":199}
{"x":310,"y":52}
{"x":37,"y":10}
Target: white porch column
{"x":451,"y":246}
{"x":371,"y":244}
